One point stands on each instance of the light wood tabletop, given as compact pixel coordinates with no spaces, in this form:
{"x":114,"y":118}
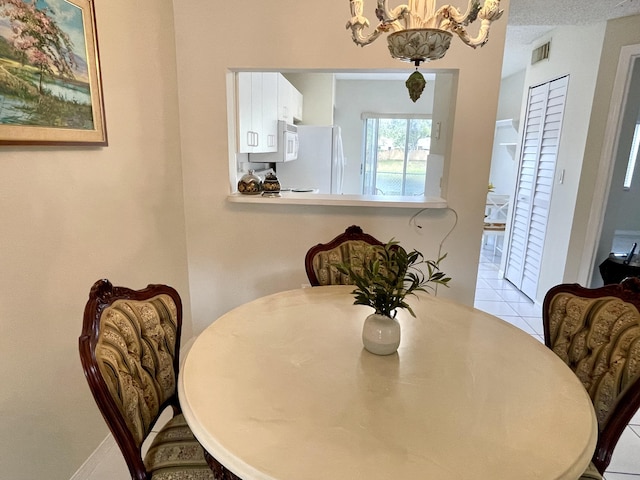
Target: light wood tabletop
{"x":281,"y":389}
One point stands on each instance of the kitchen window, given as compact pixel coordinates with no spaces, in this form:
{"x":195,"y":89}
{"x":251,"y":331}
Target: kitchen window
{"x":396,"y":148}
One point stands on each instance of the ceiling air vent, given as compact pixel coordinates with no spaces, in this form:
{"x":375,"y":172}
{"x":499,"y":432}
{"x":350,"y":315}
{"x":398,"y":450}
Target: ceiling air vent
{"x":540,"y":53}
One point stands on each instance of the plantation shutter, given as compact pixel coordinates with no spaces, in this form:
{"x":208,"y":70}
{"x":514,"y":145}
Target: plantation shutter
{"x":541,"y":139}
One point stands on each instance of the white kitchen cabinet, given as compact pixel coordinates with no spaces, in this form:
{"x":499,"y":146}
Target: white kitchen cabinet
{"x":270,"y":111}
{"x":257,"y":105}
{"x":284,"y":112}
{"x":289,"y":101}
{"x":297,"y":105}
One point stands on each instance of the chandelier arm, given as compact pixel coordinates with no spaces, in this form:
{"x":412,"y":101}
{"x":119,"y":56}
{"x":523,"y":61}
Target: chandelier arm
{"x":448,"y":14}
{"x":480,"y":39}
{"x":359,"y":22}
{"x":490,"y":11}
{"x":399,"y":14}
{"x":389,"y":21}
{"x":358,"y":37}
{"x":392,"y":20}
{"x":387,"y":16}
{"x":487,"y":14}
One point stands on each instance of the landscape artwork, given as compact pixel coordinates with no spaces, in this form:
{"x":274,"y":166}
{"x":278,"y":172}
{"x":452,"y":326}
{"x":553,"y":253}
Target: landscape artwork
{"x":50,"y":90}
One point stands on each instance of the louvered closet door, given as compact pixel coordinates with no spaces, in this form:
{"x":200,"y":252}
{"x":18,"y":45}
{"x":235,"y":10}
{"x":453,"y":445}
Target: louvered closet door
{"x":543,"y":125}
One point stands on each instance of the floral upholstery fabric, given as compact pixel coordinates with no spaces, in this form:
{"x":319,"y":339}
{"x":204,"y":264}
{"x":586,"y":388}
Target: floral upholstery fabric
{"x":135,"y":353}
{"x":591,"y":473}
{"x":352,"y":252}
{"x":175,"y":454}
{"x":599,"y":338}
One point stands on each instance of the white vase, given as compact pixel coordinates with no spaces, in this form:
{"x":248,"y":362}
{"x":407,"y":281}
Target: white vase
{"x":381,"y":334}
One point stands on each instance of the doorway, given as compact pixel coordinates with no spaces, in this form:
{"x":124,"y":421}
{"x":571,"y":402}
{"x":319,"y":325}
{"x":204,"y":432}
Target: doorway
{"x":614,"y":224}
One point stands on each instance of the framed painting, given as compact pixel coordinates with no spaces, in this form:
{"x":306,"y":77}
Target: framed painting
{"x":50,"y":85}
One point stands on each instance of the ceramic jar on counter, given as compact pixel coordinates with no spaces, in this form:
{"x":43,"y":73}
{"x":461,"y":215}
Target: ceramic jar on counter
{"x":250,"y":184}
{"x":271,"y":186}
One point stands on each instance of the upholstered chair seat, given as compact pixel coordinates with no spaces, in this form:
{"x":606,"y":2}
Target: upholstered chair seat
{"x":592,"y":473}
{"x":176,"y":454}
{"x":596,"y":332}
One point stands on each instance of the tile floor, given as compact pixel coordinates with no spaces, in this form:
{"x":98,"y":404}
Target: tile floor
{"x":500,"y":298}
{"x":493,"y":295}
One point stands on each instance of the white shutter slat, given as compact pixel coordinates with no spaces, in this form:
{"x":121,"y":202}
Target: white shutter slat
{"x":540,"y":141}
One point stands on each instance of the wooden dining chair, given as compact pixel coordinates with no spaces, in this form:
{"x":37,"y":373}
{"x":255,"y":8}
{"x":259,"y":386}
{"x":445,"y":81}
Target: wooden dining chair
{"x":348,"y":247}
{"x":495,"y":220}
{"x":596,"y":332}
{"x":129,"y":349}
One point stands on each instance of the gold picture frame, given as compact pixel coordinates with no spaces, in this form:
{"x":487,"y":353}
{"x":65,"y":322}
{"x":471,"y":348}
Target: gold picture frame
{"x":50,"y":83}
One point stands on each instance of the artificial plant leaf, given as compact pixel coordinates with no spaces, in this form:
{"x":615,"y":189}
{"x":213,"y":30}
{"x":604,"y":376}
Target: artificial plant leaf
{"x":415,"y":84}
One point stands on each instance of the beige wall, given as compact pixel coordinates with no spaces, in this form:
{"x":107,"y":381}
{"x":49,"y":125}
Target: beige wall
{"x":238,"y":252}
{"x":509,"y":103}
{"x":318,"y":90}
{"x":70,"y":216}
{"x":590,"y":55}
{"x":619,"y":32}
{"x":73,"y":215}
{"x":575,"y":51}
{"x":622,"y":205}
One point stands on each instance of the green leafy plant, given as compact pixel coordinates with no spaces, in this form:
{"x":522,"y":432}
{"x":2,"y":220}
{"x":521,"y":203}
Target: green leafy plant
{"x":385,"y":275}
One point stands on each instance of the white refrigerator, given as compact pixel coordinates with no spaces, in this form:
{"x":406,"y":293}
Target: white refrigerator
{"x":319,"y":167}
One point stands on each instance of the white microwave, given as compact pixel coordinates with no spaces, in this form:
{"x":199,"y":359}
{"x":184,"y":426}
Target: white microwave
{"x":287,"y":146}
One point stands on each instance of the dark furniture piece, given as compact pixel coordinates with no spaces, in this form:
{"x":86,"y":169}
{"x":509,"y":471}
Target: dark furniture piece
{"x":347,"y":247}
{"x":596,"y":332}
{"x":129,"y":349}
{"x":617,"y":267}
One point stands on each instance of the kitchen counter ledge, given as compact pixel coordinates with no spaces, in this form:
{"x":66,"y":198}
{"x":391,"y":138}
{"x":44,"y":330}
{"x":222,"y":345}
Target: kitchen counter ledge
{"x":296,"y":198}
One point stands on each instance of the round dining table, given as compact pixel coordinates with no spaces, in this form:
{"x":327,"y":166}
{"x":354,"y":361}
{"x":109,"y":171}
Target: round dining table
{"x":281,"y":388}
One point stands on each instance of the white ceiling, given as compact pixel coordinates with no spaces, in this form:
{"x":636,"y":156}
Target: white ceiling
{"x":530,"y":19}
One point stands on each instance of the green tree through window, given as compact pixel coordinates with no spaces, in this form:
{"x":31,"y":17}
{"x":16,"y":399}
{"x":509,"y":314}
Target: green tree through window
{"x":395,"y":153}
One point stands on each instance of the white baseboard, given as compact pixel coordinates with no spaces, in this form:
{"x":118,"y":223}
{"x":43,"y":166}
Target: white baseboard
{"x":100,"y":453}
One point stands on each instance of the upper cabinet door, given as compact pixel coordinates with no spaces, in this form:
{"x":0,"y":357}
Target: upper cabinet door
{"x":257,"y":94}
{"x":269,"y":138}
{"x":284,"y":94}
{"x":247,"y":134}
{"x":297,"y":105}
{"x":289,"y":101}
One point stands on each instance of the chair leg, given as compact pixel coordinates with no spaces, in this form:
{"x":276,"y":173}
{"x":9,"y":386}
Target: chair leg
{"x":219,"y":471}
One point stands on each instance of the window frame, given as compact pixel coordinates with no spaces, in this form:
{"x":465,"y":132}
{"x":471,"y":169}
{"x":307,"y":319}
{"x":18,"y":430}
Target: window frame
{"x":366,"y":117}
{"x":633,"y":157}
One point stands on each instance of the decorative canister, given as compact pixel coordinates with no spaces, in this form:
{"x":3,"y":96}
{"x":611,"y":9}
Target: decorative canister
{"x":271,"y":186}
{"x":250,"y":184}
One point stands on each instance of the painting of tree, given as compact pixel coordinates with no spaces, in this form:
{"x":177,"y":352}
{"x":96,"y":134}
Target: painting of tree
{"x":39,"y":38}
{"x":45,"y":62}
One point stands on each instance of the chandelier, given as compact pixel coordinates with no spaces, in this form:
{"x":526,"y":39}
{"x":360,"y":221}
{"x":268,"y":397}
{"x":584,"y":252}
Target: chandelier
{"x":420,"y":33}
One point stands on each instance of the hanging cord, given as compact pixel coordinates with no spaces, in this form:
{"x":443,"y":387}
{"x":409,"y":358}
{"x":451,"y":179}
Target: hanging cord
{"x":413,"y":221}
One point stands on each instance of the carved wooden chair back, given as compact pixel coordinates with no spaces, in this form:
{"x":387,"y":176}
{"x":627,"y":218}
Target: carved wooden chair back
{"x":596,"y":332}
{"x":129,"y":349}
{"x":345,"y":248}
